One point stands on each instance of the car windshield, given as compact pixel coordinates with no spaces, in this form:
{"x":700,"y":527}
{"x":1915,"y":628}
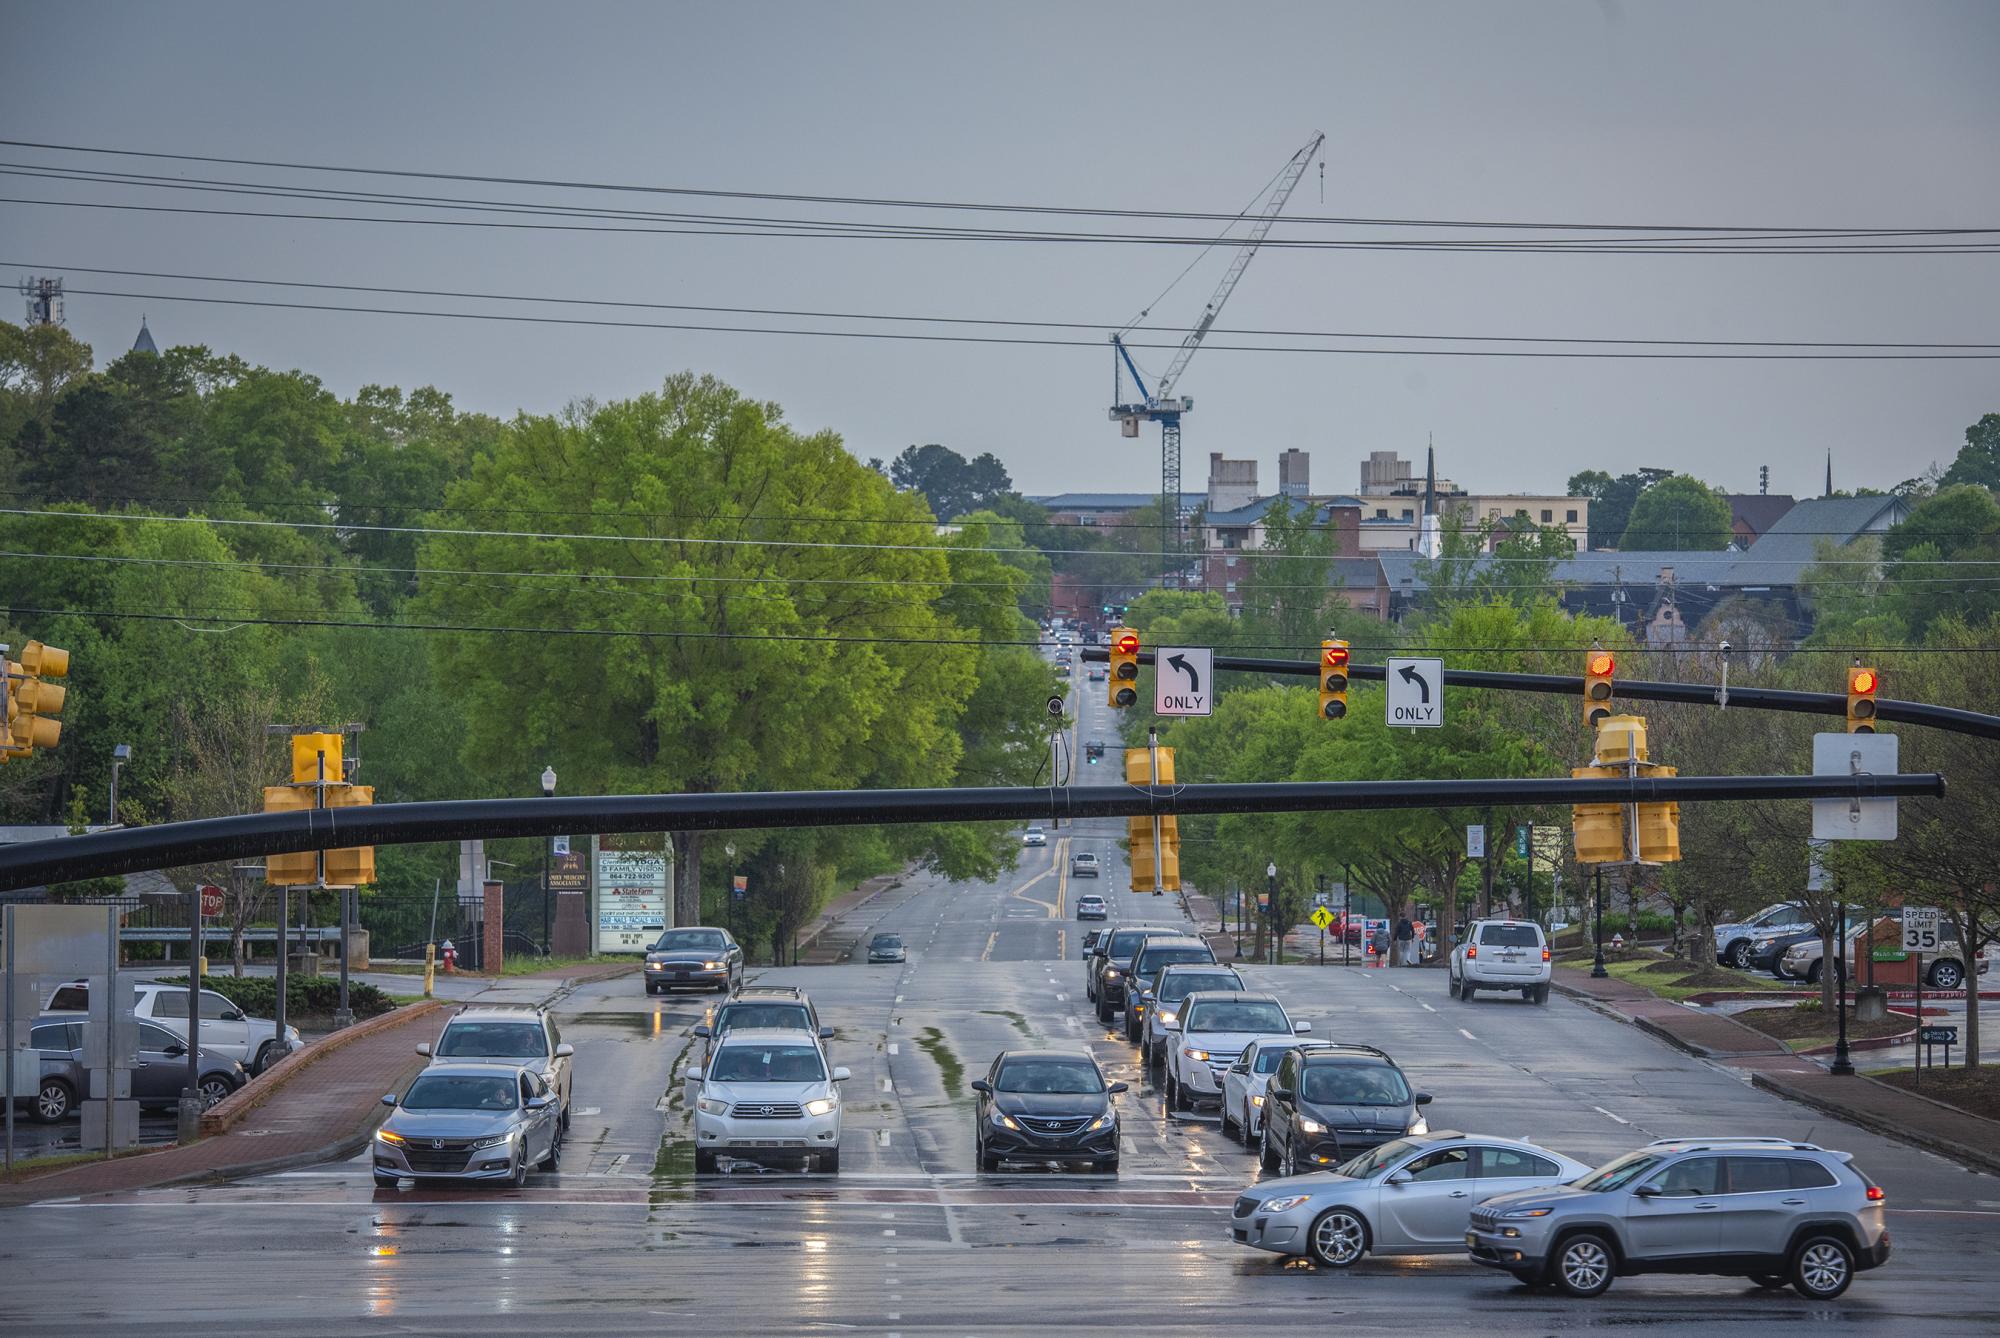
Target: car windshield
{"x":1152,"y":959}
{"x":1233,"y":1016}
{"x":1066,"y":1076}
{"x":462,"y":1091}
{"x":1621,"y":1172}
{"x":1126,"y":942}
{"x":1357,"y":1083}
{"x":767,"y":1063}
{"x":1268,"y":1059}
{"x":1183,"y":983}
{"x":1510,"y":936}
{"x":1381,"y":1159}
{"x":888,"y":941}
{"x":498,"y":1040}
{"x":764,"y":1017}
{"x":689,"y":940}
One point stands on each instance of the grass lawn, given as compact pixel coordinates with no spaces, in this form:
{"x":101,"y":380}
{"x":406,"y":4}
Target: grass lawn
{"x":30,"y":1167}
{"x":1975,"y":1091}
{"x":1805,"y":1028}
{"x":521,"y":966}
{"x":1673,"y":979}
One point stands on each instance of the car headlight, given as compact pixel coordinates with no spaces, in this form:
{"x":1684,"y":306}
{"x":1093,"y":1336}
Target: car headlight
{"x":1307,"y":1126}
{"x":1167,"y":1019}
{"x":1104,"y":1121}
{"x":1256,"y":1100}
{"x":821,"y":1105}
{"x":1111,"y":973}
{"x":500,"y":1140}
{"x":1529,"y":1212}
{"x":711,"y":966}
{"x":1419,"y":1126}
{"x":390,"y":1137}
{"x":1281,"y":1205}
{"x":292,"y":1035}
{"x":656,"y":966}
{"x":709,"y":1105}
{"x":1004,"y":1120}
{"x":1202,"y":1055}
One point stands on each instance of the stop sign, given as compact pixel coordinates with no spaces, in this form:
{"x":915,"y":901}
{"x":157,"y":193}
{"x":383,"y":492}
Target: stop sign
{"x":211,"y":900}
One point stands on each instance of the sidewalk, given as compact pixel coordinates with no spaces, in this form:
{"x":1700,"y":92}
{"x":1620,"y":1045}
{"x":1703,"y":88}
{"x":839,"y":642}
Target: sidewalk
{"x":325,"y":1110}
{"x":1877,"y":1107}
{"x":818,"y":945}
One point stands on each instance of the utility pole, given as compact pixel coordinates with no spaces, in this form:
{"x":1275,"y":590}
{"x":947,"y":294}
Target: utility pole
{"x":548,"y":792}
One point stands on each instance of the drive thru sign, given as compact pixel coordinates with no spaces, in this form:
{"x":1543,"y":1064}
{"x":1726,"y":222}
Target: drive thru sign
{"x":1185,"y":681}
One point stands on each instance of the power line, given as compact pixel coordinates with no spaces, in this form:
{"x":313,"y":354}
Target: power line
{"x":1024,"y":341}
{"x":900,"y":318}
{"x":901,"y":203}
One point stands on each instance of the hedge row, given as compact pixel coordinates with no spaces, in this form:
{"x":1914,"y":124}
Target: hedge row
{"x":304,"y":995}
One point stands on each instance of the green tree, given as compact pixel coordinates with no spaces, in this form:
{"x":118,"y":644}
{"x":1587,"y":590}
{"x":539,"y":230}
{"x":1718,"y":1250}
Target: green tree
{"x":1612,"y":500}
{"x":950,"y":483}
{"x":1679,"y":514}
{"x":1978,"y":461}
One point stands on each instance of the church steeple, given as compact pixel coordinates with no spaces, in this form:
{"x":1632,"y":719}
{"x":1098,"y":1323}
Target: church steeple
{"x":144,"y":343}
{"x":1430,"y":535}
{"x":1829,"y":475}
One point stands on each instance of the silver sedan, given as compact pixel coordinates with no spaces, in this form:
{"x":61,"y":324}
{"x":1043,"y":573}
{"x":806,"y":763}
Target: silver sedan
{"x":1410,"y":1196}
{"x":469,"y":1122}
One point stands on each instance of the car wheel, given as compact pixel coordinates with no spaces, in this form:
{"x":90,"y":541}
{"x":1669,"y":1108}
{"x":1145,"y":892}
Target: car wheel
{"x":704,"y":1162}
{"x":1289,"y":1163}
{"x":1229,"y":1129}
{"x":1103,"y":1011}
{"x":1813,"y":974}
{"x":1451,"y":986}
{"x":214,"y":1087}
{"x":1946,"y":975}
{"x":1584,"y":1265}
{"x":1770,"y":1281}
{"x":53,"y":1100}
{"x":988,"y":1163}
{"x":1541,"y":994}
{"x":829,"y":1162}
{"x":520,"y":1176}
{"x":383,"y":1180}
{"x":1173,"y":1096}
{"x":266,"y":1053}
{"x":1266,"y":1158}
{"x":649,"y":988}
{"x":1465,"y":991}
{"x":1739,"y":954}
{"x":553,"y":1161}
{"x":1338,"y":1239}
{"x":1110,"y":1167}
{"x":1822,"y":1267}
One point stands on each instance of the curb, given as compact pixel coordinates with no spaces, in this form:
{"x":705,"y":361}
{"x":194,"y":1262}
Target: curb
{"x":1873,"y":1043}
{"x":1961,"y":1153}
{"x":226,"y":1113}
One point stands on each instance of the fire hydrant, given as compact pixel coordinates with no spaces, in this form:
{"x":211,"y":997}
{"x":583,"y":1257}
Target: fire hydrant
{"x":450,"y":958}
{"x":1617,"y":942}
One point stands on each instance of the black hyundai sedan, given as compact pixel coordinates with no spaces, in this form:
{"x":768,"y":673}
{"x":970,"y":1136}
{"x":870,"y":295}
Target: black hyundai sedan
{"x":1046,"y":1106}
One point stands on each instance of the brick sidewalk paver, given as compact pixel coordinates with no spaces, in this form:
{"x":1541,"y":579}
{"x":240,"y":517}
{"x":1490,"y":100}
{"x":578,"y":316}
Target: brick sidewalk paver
{"x":325,"y":1106}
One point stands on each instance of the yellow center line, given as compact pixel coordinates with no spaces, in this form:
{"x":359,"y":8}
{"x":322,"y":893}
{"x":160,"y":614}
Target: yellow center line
{"x":986,"y":953}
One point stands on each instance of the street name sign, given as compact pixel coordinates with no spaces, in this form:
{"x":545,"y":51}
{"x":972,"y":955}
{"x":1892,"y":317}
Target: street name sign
{"x":1415,"y":699}
{"x":1185,"y":682}
{"x":1854,"y":755}
{"x":1920,"y":929}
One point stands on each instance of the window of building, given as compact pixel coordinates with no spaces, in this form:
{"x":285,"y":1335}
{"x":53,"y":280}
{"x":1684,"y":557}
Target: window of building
{"x":1548,"y":515}
{"x":1572,"y":517}
{"x":1382,"y":513}
{"x":1407,"y":513}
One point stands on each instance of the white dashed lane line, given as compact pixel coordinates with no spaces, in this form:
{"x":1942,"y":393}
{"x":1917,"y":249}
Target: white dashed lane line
{"x":1468,"y":1035}
{"x":1609,"y":1116}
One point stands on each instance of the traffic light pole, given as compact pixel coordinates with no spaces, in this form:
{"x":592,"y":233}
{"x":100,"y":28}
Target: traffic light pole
{"x":1597,"y":971}
{"x":1948,"y":718}
{"x":1153,"y":761}
{"x":166,"y":845}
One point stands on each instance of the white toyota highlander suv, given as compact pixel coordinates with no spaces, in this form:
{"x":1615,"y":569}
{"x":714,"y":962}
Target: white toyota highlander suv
{"x":767,"y":1096}
{"x":1502,"y":955}
{"x":1215,"y":1027}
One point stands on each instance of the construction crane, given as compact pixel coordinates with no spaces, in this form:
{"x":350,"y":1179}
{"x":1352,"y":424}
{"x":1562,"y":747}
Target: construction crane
{"x":1160,"y":405}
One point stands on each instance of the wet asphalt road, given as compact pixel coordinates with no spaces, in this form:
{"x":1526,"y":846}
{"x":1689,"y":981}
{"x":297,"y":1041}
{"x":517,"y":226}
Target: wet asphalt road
{"x":908,"y":1239}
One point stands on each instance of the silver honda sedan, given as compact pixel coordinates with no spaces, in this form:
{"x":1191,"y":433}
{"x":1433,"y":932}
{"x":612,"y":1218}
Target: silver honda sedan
{"x":469,"y":1122}
{"x":1410,"y":1196}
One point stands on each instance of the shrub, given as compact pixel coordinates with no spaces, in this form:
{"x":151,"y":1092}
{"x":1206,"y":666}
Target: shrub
{"x":304,"y":995}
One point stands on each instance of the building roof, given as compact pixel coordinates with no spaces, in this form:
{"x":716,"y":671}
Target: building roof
{"x":1759,"y":511}
{"x":1111,"y":501}
{"x":144,"y":343}
{"x":1790,"y":545}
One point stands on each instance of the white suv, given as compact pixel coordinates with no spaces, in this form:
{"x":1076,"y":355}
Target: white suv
{"x":1215,"y":1027}
{"x":226,"y":1031}
{"x":767,"y":1096}
{"x":1502,"y":955}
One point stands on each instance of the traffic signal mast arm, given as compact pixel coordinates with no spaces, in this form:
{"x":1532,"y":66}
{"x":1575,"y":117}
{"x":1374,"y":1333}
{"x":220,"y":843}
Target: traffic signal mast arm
{"x":1701,"y":694}
{"x":167,"y":845}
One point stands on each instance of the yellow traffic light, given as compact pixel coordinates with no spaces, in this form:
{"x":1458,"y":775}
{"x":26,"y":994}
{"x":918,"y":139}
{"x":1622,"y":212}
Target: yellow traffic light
{"x":350,"y":866}
{"x":1121,"y":684}
{"x":1862,"y":681}
{"x":1598,"y":667}
{"x":1599,"y":828}
{"x":33,"y":704}
{"x":1660,"y":831}
{"x":1139,"y":771}
{"x":1333,"y":656}
{"x":306,"y":749}
{"x":301,"y":868}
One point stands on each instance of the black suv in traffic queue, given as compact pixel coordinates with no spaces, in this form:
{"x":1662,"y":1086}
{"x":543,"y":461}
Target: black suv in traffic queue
{"x":1105,"y":983}
{"x":1330,"y":1103}
{"x":1153,"y":955}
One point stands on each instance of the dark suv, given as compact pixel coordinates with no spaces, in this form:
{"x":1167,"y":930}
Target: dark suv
{"x":1105,"y":985}
{"x":1328,"y":1104}
{"x":1153,"y":955}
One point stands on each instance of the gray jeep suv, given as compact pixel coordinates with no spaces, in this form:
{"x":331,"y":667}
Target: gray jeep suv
{"x":1768,"y":1209}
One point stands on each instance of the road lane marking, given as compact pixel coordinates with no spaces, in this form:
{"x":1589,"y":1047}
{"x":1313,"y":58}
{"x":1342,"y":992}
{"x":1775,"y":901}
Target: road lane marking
{"x":888,"y":1086}
{"x":1426,"y":1007}
{"x":1609,"y":1116}
{"x":1062,"y":998}
{"x":1468,"y":1035}
{"x":986,"y":953}
{"x":892,"y":1045}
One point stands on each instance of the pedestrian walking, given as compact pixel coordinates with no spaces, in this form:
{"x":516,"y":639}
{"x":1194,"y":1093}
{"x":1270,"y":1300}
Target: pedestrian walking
{"x":1406,"y":942}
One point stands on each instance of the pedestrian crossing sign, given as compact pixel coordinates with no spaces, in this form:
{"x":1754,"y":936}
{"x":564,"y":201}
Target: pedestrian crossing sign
{"x":1322,"y":917}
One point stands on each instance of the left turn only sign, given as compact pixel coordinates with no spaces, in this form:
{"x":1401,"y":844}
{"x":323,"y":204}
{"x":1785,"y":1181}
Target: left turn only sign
{"x":1185,"y":681}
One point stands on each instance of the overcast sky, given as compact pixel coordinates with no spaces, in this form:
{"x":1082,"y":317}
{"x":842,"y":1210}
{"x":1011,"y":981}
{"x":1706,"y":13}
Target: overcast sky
{"x":1707,"y":114}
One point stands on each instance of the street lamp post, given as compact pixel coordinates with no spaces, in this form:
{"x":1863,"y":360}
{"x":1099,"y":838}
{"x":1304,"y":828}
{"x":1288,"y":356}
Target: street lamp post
{"x":1597,"y":971}
{"x":548,"y":792}
{"x":1271,"y":909}
{"x":1841,"y":1063}
{"x":119,"y":757}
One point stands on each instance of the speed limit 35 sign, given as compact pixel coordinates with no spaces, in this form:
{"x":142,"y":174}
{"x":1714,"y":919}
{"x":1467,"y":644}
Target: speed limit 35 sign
{"x":1920,"y":929}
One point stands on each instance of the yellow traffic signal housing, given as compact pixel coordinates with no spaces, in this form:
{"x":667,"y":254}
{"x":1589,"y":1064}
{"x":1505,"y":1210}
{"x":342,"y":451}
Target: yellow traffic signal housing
{"x":1599,"y":829}
{"x":1121,"y":683}
{"x":306,"y":749}
{"x":350,"y":866}
{"x":1621,"y":739}
{"x":300,"y":868}
{"x":1862,"y":681}
{"x":1660,"y":831}
{"x":33,"y":704}
{"x":1599,"y":666}
{"x":1139,"y":771}
{"x":1333,"y":657}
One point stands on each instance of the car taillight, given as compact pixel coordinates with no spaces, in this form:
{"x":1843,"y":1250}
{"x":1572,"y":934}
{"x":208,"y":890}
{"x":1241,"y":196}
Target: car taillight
{"x":1545,"y":954}
{"x":1875,"y":1194}
{"x":1472,"y":950}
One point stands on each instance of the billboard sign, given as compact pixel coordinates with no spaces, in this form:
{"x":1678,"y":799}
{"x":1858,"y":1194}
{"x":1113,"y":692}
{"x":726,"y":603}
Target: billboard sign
{"x":631,"y":899}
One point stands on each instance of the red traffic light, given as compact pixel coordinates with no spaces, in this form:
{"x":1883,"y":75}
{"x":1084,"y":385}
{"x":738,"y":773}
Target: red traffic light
{"x":1335,"y":656}
{"x":1601,"y":663}
{"x":1127,"y":643}
{"x":1862,"y":682}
